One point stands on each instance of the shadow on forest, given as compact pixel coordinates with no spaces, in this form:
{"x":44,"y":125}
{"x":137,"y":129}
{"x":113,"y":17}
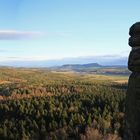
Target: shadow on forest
{"x":120,"y":86}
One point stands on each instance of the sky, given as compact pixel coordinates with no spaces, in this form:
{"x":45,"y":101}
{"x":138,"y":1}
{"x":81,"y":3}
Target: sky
{"x":55,"y":29}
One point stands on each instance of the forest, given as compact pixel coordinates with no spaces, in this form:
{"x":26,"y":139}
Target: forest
{"x":38,"y":104}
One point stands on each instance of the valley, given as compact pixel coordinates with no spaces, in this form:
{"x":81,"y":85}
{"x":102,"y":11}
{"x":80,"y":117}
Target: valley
{"x":41,"y":104}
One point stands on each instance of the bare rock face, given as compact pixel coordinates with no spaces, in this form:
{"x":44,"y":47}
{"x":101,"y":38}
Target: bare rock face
{"x":132,"y":119}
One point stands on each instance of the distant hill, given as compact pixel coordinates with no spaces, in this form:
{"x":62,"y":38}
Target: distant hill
{"x":94,"y":68}
{"x":79,"y":66}
{"x":93,"y":60}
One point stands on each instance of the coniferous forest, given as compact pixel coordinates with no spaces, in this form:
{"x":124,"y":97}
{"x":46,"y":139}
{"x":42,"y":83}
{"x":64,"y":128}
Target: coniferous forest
{"x":37,"y":104}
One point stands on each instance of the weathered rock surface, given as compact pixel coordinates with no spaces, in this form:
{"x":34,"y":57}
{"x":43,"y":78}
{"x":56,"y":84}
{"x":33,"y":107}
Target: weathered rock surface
{"x":134,"y":60}
{"x":134,"y":41}
{"x":132,"y":119}
{"x":135,"y":29}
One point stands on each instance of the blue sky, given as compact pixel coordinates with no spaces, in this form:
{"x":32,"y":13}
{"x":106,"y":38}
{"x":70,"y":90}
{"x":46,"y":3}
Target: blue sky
{"x":54,"y":29}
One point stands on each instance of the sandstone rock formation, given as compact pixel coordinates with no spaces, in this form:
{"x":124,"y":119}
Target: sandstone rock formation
{"x":132,"y":120}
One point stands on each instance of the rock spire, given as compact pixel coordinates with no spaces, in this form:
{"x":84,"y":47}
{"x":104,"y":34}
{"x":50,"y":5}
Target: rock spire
{"x":132,"y":119}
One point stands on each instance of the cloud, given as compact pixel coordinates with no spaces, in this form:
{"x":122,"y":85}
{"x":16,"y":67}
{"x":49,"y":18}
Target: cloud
{"x":18,"y":35}
{"x":3,"y":50}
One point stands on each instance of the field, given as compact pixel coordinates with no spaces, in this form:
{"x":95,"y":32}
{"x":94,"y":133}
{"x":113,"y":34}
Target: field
{"x":39,"y":104}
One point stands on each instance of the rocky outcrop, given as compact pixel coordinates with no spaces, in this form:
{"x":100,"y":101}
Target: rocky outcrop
{"x":132,"y":119}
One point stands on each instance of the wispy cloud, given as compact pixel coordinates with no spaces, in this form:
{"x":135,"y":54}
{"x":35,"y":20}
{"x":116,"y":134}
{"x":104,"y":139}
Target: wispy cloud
{"x":3,"y":50}
{"x":17,"y":35}
{"x":23,"y":58}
